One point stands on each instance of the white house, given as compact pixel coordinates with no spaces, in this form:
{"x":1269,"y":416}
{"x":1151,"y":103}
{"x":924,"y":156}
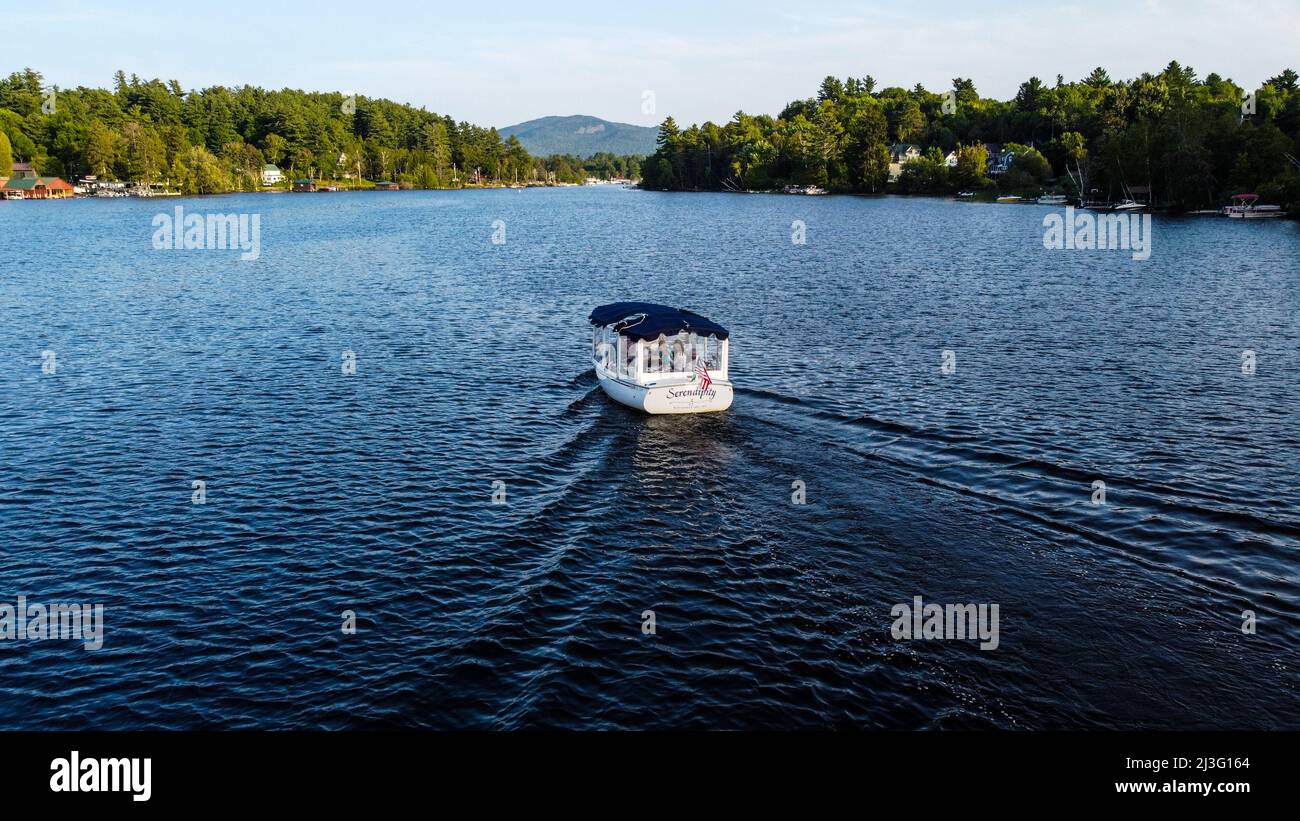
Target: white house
{"x":900,"y":153}
{"x":271,"y":175}
{"x":345,"y":163}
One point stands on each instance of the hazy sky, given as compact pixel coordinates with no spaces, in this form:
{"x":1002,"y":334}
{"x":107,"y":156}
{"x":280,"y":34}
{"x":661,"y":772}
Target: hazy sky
{"x":501,"y":62}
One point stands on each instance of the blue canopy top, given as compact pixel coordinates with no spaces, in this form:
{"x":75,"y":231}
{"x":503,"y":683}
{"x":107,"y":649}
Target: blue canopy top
{"x":646,"y":320}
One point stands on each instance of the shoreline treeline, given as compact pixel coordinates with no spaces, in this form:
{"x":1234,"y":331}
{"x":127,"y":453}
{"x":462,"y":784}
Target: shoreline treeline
{"x":217,"y":139}
{"x":1186,"y":140}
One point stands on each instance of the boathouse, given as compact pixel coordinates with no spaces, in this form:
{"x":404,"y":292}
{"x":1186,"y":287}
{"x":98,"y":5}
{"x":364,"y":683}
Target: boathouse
{"x":27,"y":185}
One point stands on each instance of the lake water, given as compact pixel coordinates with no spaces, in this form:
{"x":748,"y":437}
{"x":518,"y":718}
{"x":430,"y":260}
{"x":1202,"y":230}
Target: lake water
{"x":373,"y":492}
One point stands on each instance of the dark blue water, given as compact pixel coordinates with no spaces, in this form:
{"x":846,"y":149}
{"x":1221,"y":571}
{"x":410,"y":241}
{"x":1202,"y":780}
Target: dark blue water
{"x":372,"y":492}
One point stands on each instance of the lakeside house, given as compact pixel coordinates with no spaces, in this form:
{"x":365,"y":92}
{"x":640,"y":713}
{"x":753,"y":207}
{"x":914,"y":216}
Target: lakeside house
{"x":900,"y":153}
{"x":26,"y":184}
{"x":999,"y":161}
{"x":343,"y":165}
{"x":271,"y":175}
{"x":304,"y":185}
{"x":386,"y":185}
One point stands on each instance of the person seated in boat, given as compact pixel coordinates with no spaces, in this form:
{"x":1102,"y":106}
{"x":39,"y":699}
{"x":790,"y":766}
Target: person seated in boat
{"x":679,"y":360}
{"x":712,"y":354}
{"x":701,"y":353}
{"x":656,"y":356}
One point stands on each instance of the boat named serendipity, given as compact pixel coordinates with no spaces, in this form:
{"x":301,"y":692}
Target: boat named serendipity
{"x":660,"y":359}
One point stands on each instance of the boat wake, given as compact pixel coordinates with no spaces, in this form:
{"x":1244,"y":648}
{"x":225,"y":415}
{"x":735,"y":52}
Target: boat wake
{"x":1035,"y":494}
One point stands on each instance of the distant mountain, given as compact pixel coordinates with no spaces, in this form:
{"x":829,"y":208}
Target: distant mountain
{"x":582,"y":136}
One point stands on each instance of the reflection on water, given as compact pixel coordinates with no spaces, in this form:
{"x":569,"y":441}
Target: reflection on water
{"x":372,"y":492}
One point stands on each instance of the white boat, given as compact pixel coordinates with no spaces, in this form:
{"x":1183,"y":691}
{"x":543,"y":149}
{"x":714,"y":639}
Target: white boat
{"x":1129,"y":205}
{"x":660,"y":359}
{"x":1244,"y":206}
{"x":812,"y":190}
{"x":1053,"y":199}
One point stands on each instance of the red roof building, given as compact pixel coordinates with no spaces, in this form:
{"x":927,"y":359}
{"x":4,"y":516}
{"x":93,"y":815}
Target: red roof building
{"x":35,"y":188}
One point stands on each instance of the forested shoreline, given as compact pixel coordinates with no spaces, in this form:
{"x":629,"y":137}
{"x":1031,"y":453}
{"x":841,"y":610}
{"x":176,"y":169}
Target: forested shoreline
{"x":217,"y":139}
{"x":1187,"y":142}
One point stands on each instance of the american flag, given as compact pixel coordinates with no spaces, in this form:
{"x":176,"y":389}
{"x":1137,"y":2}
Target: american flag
{"x":703,"y":373}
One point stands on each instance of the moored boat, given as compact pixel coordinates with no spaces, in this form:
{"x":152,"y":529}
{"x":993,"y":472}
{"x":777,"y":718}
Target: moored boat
{"x":1053,"y":199}
{"x":660,"y":359}
{"x":1245,"y":206}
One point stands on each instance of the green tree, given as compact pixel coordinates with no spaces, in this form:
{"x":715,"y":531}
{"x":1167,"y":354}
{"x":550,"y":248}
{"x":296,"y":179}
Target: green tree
{"x":668,"y":133}
{"x":831,"y":89}
{"x":866,"y":152}
{"x":437,"y":145}
{"x":927,"y":174}
{"x":199,"y":172}
{"x":1029,"y":170}
{"x":910,"y":121}
{"x":101,"y":149}
{"x":143,"y":155}
{"x":972,"y":165}
{"x":274,"y":148}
